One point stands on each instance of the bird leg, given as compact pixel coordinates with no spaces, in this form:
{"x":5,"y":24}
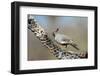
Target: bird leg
{"x":66,"y":45}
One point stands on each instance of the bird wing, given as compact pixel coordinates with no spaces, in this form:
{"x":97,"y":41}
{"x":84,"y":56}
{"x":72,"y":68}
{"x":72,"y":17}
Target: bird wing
{"x":62,"y":39}
{"x":65,"y":40}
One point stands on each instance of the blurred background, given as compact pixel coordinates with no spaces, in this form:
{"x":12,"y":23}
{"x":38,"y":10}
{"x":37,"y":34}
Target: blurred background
{"x":73,"y":26}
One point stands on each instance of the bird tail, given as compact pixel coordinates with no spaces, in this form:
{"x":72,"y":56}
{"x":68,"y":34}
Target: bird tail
{"x":75,"y":46}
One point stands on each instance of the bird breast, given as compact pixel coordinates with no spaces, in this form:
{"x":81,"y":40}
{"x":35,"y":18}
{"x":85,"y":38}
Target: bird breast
{"x":62,"y":39}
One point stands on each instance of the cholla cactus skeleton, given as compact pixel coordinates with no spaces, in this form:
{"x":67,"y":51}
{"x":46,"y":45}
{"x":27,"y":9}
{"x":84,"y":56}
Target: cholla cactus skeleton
{"x":40,"y":33}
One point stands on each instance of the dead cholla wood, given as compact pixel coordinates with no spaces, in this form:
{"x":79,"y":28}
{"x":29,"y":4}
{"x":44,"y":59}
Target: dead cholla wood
{"x":40,"y":33}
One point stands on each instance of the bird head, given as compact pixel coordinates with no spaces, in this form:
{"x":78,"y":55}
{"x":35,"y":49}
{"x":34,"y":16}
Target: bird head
{"x":55,"y":32}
